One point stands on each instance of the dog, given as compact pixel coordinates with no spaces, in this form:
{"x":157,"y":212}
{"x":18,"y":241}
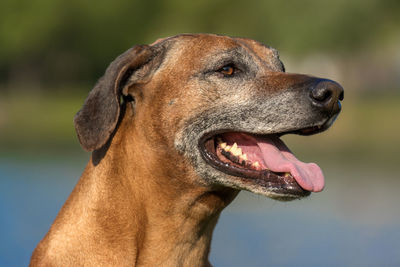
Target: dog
{"x":176,"y":129}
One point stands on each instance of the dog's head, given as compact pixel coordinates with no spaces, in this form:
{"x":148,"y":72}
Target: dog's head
{"x":219,"y":104}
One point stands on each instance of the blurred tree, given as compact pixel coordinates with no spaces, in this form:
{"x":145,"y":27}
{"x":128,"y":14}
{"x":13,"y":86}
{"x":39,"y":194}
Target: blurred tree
{"x":49,"y":42}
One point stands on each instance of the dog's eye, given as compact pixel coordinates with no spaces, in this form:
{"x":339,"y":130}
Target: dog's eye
{"x":227,"y":70}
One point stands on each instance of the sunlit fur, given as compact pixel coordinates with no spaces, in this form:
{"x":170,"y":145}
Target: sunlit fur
{"x":146,"y":197}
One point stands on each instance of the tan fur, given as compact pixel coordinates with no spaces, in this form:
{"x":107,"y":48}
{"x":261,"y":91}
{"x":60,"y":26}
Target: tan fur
{"x":140,"y":201}
{"x":110,"y":218}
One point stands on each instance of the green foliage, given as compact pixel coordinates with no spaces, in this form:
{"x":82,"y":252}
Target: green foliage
{"x":72,"y":41}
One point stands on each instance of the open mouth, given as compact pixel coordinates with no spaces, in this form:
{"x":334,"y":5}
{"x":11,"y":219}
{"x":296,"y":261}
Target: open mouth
{"x":263,"y":161}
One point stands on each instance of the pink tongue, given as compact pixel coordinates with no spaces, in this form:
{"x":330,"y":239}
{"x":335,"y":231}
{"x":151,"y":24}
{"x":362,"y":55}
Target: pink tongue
{"x":278,"y":158}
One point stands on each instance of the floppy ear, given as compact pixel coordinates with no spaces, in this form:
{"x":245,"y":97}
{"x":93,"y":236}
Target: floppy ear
{"x":97,"y":119}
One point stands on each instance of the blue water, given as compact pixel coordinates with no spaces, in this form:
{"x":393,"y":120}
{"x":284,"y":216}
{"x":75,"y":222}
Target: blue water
{"x":354,"y":222}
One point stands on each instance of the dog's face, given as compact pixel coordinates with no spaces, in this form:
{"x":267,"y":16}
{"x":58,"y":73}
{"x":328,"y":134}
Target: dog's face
{"x":220,"y":104}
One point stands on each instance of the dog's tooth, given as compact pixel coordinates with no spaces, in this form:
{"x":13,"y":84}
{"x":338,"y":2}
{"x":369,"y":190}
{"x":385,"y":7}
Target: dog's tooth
{"x":236,"y":152}
{"x":243,"y":157}
{"x":256,"y":165}
{"x":287,"y":174}
{"x":222,"y":145}
{"x":227,"y":148}
{"x":233,"y":149}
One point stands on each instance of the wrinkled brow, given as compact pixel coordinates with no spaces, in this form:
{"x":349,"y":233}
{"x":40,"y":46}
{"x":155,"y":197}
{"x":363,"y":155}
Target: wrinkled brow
{"x":272,"y":61}
{"x":237,"y":55}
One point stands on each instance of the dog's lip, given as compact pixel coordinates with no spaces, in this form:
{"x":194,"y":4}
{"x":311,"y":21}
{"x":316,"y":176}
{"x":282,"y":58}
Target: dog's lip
{"x":311,"y":130}
{"x":278,"y":184}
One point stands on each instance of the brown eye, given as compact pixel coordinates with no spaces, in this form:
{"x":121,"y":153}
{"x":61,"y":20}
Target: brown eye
{"x":227,"y":70}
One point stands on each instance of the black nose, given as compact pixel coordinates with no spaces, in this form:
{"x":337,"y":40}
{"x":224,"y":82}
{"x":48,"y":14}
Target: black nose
{"x":326,"y":94}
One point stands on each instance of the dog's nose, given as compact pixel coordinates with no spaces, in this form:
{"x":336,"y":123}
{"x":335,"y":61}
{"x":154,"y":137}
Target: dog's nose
{"x":326,"y":94}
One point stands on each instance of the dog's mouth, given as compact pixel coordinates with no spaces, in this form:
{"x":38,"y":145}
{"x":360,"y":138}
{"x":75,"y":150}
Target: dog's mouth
{"x":263,"y":161}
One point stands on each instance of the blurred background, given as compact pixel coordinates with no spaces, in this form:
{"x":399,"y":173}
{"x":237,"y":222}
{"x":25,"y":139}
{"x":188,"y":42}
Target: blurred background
{"x":53,"y":51}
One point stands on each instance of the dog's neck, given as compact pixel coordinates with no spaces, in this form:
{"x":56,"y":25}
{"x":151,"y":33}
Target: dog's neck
{"x":153,"y":216}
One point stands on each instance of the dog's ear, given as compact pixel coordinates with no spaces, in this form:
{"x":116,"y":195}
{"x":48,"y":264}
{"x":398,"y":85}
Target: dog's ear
{"x":97,"y":119}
